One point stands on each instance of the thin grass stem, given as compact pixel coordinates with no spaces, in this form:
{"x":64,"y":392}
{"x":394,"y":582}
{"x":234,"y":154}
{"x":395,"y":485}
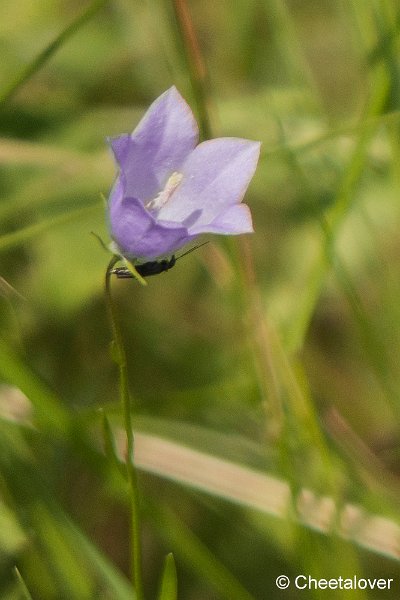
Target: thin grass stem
{"x":195,"y":64}
{"x":259,"y":337}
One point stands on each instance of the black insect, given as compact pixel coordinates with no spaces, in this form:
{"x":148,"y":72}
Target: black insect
{"x":153,"y":267}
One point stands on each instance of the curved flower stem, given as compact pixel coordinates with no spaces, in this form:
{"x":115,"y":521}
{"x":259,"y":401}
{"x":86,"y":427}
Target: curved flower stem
{"x":119,"y":351}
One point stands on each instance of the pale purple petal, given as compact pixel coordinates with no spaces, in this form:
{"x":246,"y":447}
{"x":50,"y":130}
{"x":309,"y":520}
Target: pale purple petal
{"x":234,"y":220}
{"x":158,"y":146}
{"x":136,"y":232}
{"x":215,"y":176}
{"x":120,"y":147}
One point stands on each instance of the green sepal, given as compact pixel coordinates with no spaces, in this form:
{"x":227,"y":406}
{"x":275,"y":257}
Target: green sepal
{"x":101,"y":241}
{"x":136,"y":275}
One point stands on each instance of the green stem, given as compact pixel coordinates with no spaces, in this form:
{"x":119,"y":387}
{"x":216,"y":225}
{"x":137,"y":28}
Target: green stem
{"x":136,"y":549}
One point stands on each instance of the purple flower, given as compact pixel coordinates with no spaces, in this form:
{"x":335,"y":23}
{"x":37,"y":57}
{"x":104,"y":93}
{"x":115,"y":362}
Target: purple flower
{"x":169,"y":189}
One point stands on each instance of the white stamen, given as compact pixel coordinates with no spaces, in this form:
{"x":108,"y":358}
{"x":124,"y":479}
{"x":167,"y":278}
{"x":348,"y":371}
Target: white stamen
{"x":165,"y":194}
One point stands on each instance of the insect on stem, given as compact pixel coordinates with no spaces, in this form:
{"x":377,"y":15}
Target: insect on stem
{"x":153,"y":267}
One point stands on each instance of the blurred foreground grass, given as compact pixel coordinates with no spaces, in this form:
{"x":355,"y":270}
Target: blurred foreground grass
{"x":277,"y":352}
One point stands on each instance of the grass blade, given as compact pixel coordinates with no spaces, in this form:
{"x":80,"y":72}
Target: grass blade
{"x":48,"y":52}
{"x":169,"y":584}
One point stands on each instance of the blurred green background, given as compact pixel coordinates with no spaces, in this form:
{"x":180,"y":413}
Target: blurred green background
{"x":278,"y":351}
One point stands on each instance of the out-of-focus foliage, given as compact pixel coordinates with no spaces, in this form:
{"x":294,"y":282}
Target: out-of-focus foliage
{"x":277,"y":351}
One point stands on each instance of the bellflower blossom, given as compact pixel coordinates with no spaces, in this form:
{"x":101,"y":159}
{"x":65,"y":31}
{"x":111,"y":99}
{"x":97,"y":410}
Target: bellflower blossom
{"x":170,"y":189}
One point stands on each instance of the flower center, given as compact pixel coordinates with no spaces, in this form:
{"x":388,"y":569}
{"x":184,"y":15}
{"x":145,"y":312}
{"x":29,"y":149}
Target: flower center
{"x":165,"y":194}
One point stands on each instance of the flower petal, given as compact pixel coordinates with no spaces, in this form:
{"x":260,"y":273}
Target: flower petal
{"x":234,"y":220}
{"x":158,"y":146}
{"x":215,"y":176}
{"x":136,"y":232}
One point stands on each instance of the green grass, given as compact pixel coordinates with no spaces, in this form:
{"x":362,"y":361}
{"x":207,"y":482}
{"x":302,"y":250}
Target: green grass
{"x":263,"y":370}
